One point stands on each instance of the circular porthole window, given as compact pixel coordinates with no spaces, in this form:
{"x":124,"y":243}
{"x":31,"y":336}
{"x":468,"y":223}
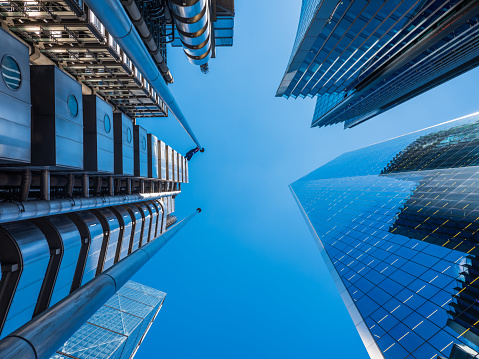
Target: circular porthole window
{"x":107,"y":123}
{"x":129,"y":136}
{"x":72,"y":103}
{"x":143,"y":143}
{"x":11,"y":73}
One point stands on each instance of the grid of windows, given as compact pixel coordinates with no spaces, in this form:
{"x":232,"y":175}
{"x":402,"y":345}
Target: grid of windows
{"x":398,"y":233}
{"x":443,"y":210}
{"x":370,"y":56}
{"x":117,"y":328}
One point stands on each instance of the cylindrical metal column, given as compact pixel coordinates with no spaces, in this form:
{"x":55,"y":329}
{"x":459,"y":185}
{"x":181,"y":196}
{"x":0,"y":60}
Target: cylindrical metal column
{"x":25,"y":184}
{"x":45,"y":185}
{"x":85,"y":185}
{"x":12,"y":211}
{"x":70,"y":184}
{"x":193,"y":24}
{"x":43,"y":335}
{"x":116,"y":21}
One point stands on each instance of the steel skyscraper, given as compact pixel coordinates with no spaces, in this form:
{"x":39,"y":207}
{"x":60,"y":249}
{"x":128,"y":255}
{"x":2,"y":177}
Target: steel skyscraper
{"x":87,"y":193}
{"x":397,"y":224}
{"x":360,"y":59}
{"x":117,"y":329}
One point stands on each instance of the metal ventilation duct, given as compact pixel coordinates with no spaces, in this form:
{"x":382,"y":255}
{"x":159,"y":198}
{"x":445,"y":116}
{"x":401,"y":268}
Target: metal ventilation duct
{"x":192,"y":19}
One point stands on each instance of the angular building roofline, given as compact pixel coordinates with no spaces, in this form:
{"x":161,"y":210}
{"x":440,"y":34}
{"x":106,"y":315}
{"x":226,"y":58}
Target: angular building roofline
{"x":304,"y":39}
{"x":360,"y":59}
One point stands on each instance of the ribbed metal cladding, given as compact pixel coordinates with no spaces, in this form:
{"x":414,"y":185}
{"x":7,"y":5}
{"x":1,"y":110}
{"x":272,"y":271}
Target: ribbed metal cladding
{"x":43,"y":335}
{"x":192,"y":19}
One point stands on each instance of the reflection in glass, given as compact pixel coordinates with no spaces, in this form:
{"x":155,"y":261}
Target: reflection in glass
{"x":398,"y":222}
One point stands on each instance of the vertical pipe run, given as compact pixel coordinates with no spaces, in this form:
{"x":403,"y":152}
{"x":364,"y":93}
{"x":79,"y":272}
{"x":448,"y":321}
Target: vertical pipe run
{"x":98,"y":185}
{"x":85,"y":184}
{"x":111,"y":186}
{"x":25,"y":185}
{"x":70,"y":185}
{"x":45,"y":185}
{"x":128,"y":186}
{"x":118,"y":185}
{"x":43,"y":335}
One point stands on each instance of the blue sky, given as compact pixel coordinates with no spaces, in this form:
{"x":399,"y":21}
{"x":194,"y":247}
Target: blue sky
{"x":244,"y":278}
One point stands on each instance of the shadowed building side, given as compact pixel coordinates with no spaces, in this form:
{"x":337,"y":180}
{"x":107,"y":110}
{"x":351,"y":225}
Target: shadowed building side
{"x":361,"y":59}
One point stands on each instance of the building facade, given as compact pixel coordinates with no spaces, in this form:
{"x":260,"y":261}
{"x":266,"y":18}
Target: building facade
{"x":118,"y":328}
{"x":397,"y":224}
{"x":83,"y":185}
{"x":360,"y":59}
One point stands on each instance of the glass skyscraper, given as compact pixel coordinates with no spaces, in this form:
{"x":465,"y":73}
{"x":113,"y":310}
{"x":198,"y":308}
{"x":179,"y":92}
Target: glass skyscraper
{"x":117,"y":329}
{"x":397,"y":224}
{"x":360,"y":58}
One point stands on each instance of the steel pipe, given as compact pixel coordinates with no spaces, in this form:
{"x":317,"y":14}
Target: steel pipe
{"x":16,"y":211}
{"x":25,"y":184}
{"x":128,"y":186}
{"x":145,"y":34}
{"x":70,"y":184}
{"x":192,"y":19}
{"x":85,"y":185}
{"x":98,"y":184}
{"x":116,"y":21}
{"x":45,"y":185}
{"x":111,"y":186}
{"x":47,"y":332}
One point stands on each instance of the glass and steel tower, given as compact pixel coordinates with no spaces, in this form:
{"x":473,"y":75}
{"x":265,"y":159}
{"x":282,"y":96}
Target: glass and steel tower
{"x":118,"y":328}
{"x":397,"y":224}
{"x":360,"y":59}
{"x":87,"y":194}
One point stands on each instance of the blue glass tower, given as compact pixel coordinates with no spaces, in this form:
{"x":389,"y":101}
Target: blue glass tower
{"x":397,"y":224}
{"x":360,"y":59}
{"x":118,"y":328}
